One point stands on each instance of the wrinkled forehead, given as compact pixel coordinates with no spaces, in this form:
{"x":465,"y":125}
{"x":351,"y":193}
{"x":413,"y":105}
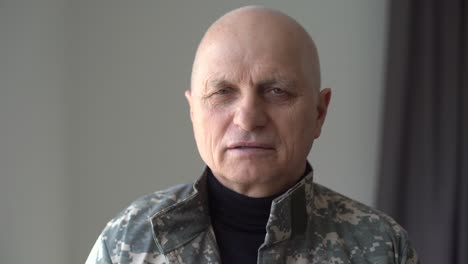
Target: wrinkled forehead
{"x":237,"y":63}
{"x":239,"y":59}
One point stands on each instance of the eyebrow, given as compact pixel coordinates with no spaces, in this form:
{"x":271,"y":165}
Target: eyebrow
{"x":220,"y":83}
{"x":283,"y":82}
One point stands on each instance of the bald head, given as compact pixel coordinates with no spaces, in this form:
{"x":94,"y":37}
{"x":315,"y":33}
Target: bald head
{"x":255,"y":30}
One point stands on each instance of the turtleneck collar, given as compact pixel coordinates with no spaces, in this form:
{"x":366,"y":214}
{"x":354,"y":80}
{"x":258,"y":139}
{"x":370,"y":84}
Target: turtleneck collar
{"x":237,"y":211}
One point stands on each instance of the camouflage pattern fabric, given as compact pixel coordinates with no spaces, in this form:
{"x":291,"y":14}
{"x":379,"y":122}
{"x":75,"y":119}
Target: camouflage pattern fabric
{"x":308,"y":224}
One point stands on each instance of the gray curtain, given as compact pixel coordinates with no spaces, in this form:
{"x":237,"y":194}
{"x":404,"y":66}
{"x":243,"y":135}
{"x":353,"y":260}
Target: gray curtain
{"x":424,"y":165}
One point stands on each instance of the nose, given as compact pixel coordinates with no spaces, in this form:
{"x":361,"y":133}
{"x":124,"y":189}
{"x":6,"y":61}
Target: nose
{"x":250,"y":113}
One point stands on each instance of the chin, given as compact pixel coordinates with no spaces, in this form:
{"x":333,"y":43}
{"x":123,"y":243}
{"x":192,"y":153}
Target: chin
{"x":250,"y":174}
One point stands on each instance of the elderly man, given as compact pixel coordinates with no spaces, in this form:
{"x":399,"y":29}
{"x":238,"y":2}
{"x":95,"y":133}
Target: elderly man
{"x":256,"y":108}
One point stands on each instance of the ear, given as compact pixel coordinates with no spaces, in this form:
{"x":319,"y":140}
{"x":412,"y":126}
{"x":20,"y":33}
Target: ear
{"x":324,"y":98}
{"x":188,"y":96}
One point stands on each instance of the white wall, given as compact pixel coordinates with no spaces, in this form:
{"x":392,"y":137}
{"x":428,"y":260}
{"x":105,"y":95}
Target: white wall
{"x":95,"y":116}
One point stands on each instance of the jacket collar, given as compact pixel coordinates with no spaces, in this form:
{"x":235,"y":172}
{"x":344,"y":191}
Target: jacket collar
{"x":291,"y":211}
{"x":179,"y":223}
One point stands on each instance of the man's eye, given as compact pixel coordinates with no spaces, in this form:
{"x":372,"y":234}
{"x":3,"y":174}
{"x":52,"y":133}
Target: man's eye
{"x":277,"y":91}
{"x":222,"y":91}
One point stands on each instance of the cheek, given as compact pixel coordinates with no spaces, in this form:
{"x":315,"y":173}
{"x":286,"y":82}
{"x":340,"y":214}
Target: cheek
{"x":296,"y":129}
{"x":211,"y":127}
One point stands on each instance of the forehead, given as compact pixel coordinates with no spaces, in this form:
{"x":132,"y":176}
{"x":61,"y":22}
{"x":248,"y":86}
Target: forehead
{"x":238,"y":63}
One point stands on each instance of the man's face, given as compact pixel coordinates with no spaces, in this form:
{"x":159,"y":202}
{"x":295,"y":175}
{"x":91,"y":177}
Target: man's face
{"x":254,"y":113}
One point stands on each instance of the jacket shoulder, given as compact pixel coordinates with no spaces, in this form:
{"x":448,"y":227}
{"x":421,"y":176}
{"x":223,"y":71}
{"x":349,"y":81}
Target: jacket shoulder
{"x":359,"y":226}
{"x":148,"y":205}
{"x":340,"y":209}
{"x":130,"y":233}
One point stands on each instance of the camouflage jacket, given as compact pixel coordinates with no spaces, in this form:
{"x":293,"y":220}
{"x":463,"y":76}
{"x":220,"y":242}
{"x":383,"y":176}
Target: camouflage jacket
{"x":307,"y":224}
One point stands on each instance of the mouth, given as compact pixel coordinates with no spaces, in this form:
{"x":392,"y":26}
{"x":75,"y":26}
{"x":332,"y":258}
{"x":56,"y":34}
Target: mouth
{"x":250,"y":146}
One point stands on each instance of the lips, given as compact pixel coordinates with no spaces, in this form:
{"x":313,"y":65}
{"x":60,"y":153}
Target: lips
{"x":250,"y":145}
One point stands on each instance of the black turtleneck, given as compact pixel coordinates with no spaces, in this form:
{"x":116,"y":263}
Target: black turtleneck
{"x":238,"y":221}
